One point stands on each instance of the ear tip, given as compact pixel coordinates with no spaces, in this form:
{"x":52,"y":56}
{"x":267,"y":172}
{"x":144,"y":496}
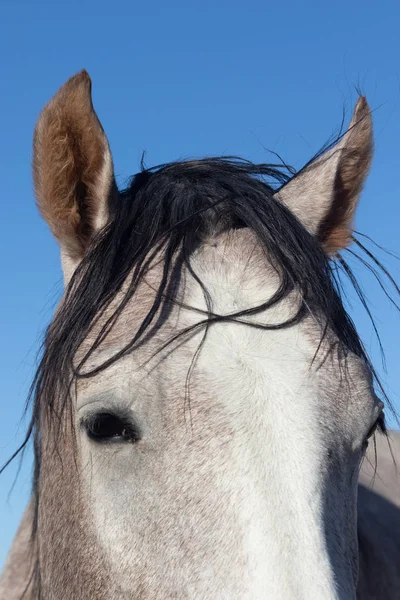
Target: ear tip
{"x":362,"y":108}
{"x":361,"y":122}
{"x":76,"y":90}
{"x":82,"y":76}
{"x":79,"y":80}
{"x":362,"y":100}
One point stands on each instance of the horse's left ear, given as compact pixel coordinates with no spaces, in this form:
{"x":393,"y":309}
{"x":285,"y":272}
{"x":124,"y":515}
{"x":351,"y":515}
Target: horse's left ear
{"x":73,"y":170}
{"x":324,"y":195}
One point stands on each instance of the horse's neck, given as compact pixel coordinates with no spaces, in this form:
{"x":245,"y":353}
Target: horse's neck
{"x":379,"y":522}
{"x":381,"y":473}
{"x":379,"y":547}
{"x":17,"y":575}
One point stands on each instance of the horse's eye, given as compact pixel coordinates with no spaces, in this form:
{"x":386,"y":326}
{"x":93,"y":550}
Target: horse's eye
{"x":107,"y":427}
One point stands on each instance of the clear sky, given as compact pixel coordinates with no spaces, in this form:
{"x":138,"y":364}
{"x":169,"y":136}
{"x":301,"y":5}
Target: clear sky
{"x":182,"y":79}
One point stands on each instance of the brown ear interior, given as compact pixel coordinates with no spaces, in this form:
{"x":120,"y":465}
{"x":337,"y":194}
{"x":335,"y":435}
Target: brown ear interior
{"x":336,"y":230}
{"x":324,"y":195}
{"x":72,"y":166}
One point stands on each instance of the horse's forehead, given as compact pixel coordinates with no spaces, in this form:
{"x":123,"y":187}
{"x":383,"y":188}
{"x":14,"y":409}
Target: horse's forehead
{"x":235,"y":259}
{"x":238,"y":275}
{"x":233,"y":267}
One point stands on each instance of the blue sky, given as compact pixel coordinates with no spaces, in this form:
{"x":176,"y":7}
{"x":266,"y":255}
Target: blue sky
{"x":182,"y":79}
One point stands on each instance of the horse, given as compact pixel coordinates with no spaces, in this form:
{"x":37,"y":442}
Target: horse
{"x":203,"y":404}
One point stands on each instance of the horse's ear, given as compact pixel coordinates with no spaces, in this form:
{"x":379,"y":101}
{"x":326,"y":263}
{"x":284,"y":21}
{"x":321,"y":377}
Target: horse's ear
{"x":72,"y":169}
{"x":324,"y":195}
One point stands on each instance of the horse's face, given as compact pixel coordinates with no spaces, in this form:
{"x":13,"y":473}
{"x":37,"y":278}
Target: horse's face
{"x":228,"y":472}
{"x":245,"y":486}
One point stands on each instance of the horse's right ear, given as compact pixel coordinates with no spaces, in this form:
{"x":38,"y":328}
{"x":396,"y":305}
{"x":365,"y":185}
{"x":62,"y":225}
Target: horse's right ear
{"x":324,"y":195}
{"x":72,"y":169}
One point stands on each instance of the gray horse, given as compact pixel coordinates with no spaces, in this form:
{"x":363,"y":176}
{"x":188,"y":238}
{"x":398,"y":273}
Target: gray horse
{"x":203,"y":406}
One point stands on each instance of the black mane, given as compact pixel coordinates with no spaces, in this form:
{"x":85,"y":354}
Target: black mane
{"x":173,"y":208}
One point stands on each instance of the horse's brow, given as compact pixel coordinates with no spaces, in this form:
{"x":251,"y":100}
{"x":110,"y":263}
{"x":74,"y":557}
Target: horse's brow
{"x":106,"y":397}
